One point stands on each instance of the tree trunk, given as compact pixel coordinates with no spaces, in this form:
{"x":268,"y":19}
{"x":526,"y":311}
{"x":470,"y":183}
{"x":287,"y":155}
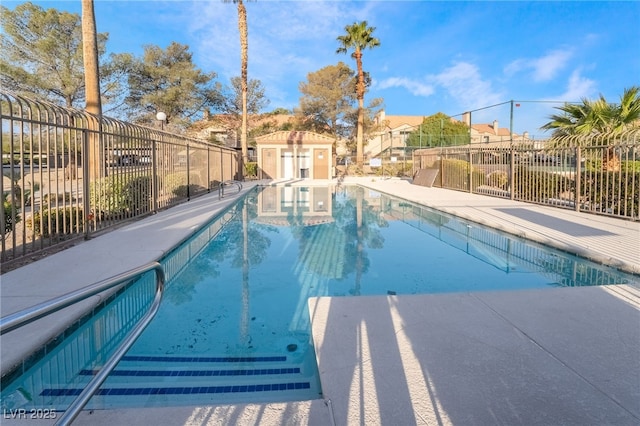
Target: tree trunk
{"x":360,"y":96}
{"x":244,"y":59}
{"x":94,"y":158}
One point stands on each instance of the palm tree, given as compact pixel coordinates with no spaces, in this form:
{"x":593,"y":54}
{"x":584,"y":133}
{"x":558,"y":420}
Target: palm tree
{"x":244,"y":59}
{"x":90,"y":57}
{"x":92,"y":86}
{"x":358,"y":37}
{"x":597,"y":117}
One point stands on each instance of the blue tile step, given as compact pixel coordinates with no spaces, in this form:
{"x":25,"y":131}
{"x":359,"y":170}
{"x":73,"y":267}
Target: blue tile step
{"x":145,"y":381}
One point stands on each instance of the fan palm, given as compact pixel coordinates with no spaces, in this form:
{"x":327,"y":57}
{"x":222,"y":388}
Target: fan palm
{"x":244,"y":60}
{"x":358,"y":37}
{"x":597,"y":117}
{"x":92,"y":85}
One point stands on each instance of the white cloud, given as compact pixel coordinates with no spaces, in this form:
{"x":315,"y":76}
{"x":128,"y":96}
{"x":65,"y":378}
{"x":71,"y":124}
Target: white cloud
{"x":578,"y":87}
{"x":416,"y":88}
{"x":544,"y":68}
{"x":287,"y":40}
{"x":465,"y":84}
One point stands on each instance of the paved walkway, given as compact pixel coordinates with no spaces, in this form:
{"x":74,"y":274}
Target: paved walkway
{"x":553,"y":356}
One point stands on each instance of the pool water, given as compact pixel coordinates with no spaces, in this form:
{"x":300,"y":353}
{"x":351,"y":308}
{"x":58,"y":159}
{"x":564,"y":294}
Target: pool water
{"x":234,"y":324}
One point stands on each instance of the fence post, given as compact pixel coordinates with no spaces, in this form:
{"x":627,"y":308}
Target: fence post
{"x":208,"y":170}
{"x":86,"y":173}
{"x":470,"y":171}
{"x":578,"y":179}
{"x":154,"y":177}
{"x":512,"y":172}
{"x":188,"y":175}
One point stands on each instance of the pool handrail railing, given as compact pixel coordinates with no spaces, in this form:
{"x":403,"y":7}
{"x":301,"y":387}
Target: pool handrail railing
{"x":228,"y":183}
{"x":27,"y":316}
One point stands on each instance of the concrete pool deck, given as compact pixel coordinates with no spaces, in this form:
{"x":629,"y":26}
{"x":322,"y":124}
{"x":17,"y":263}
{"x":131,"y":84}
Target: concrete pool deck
{"x":553,"y":356}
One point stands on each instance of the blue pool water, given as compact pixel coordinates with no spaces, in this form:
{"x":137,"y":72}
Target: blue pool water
{"x":234,"y":324}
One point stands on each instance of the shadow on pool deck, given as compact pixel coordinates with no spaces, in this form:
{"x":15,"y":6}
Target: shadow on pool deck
{"x":527,"y":357}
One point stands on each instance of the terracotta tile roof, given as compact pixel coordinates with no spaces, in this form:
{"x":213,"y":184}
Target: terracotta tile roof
{"x":294,"y":136}
{"x":225,"y":121}
{"x":488,"y":129}
{"x":395,"y":121}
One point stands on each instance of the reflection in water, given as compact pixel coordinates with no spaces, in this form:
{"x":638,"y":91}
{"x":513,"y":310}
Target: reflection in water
{"x":240,"y":286}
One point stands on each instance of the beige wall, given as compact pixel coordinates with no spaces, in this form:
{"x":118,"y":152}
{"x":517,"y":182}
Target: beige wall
{"x":294,"y":155}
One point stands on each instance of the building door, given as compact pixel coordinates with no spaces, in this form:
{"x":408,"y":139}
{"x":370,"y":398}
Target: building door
{"x":287,"y":165}
{"x":269,"y":163}
{"x":321,"y":163}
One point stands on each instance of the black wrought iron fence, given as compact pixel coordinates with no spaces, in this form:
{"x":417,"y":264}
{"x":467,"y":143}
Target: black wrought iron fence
{"x":595,"y":174}
{"x":67,"y":174}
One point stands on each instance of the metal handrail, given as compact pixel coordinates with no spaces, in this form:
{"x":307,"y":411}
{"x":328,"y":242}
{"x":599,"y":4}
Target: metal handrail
{"x":27,"y":316}
{"x":226,"y":183}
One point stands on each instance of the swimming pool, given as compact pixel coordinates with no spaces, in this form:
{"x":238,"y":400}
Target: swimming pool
{"x":234,"y":325}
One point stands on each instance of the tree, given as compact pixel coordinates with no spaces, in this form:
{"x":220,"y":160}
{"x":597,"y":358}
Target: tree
{"x":279,"y":119}
{"x":439,"y":130}
{"x":597,"y":117}
{"x":244,"y":60}
{"x":327,"y":100}
{"x":93,"y":102}
{"x":358,"y":37}
{"x":41,"y":53}
{"x":168,"y":81}
{"x":90,"y":57}
{"x":233,"y":102}
{"x":233,"y":99}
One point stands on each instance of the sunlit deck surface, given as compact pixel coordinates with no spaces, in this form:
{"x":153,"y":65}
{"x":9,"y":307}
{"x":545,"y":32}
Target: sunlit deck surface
{"x":552,"y":356}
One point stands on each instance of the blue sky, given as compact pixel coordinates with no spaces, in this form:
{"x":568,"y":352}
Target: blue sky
{"x":449,"y":56}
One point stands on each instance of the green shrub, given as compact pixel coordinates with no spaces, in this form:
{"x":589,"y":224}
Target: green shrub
{"x":119,"y":194}
{"x":394,"y":169}
{"x":8,"y":210}
{"x":64,"y":221}
{"x":184,"y":191}
{"x":611,"y":192}
{"x":173,"y":181}
{"x":251,"y":169}
{"x":531,"y":184}
{"x":630,"y":166}
{"x":454,"y":174}
{"x":498,"y":179}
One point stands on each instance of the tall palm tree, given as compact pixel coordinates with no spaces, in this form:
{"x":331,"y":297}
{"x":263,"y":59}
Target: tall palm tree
{"x":244,"y":59}
{"x":94,"y":158}
{"x":358,"y":37}
{"x":90,"y":58}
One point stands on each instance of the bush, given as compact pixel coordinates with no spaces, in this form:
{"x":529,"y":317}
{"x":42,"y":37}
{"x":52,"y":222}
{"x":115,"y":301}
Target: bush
{"x":455,"y":175}
{"x":611,"y":192}
{"x":176,"y":185}
{"x":394,"y":169}
{"x":532,"y":185}
{"x":498,"y":179}
{"x":64,"y":221}
{"x":8,"y":210}
{"x":184,"y":191}
{"x":120,"y":194}
{"x":251,"y":169}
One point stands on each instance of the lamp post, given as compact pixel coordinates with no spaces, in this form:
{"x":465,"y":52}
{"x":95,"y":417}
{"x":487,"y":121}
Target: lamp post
{"x":162,"y":118}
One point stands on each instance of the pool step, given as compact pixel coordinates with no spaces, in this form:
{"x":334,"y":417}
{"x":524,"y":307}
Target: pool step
{"x":189,"y":380}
